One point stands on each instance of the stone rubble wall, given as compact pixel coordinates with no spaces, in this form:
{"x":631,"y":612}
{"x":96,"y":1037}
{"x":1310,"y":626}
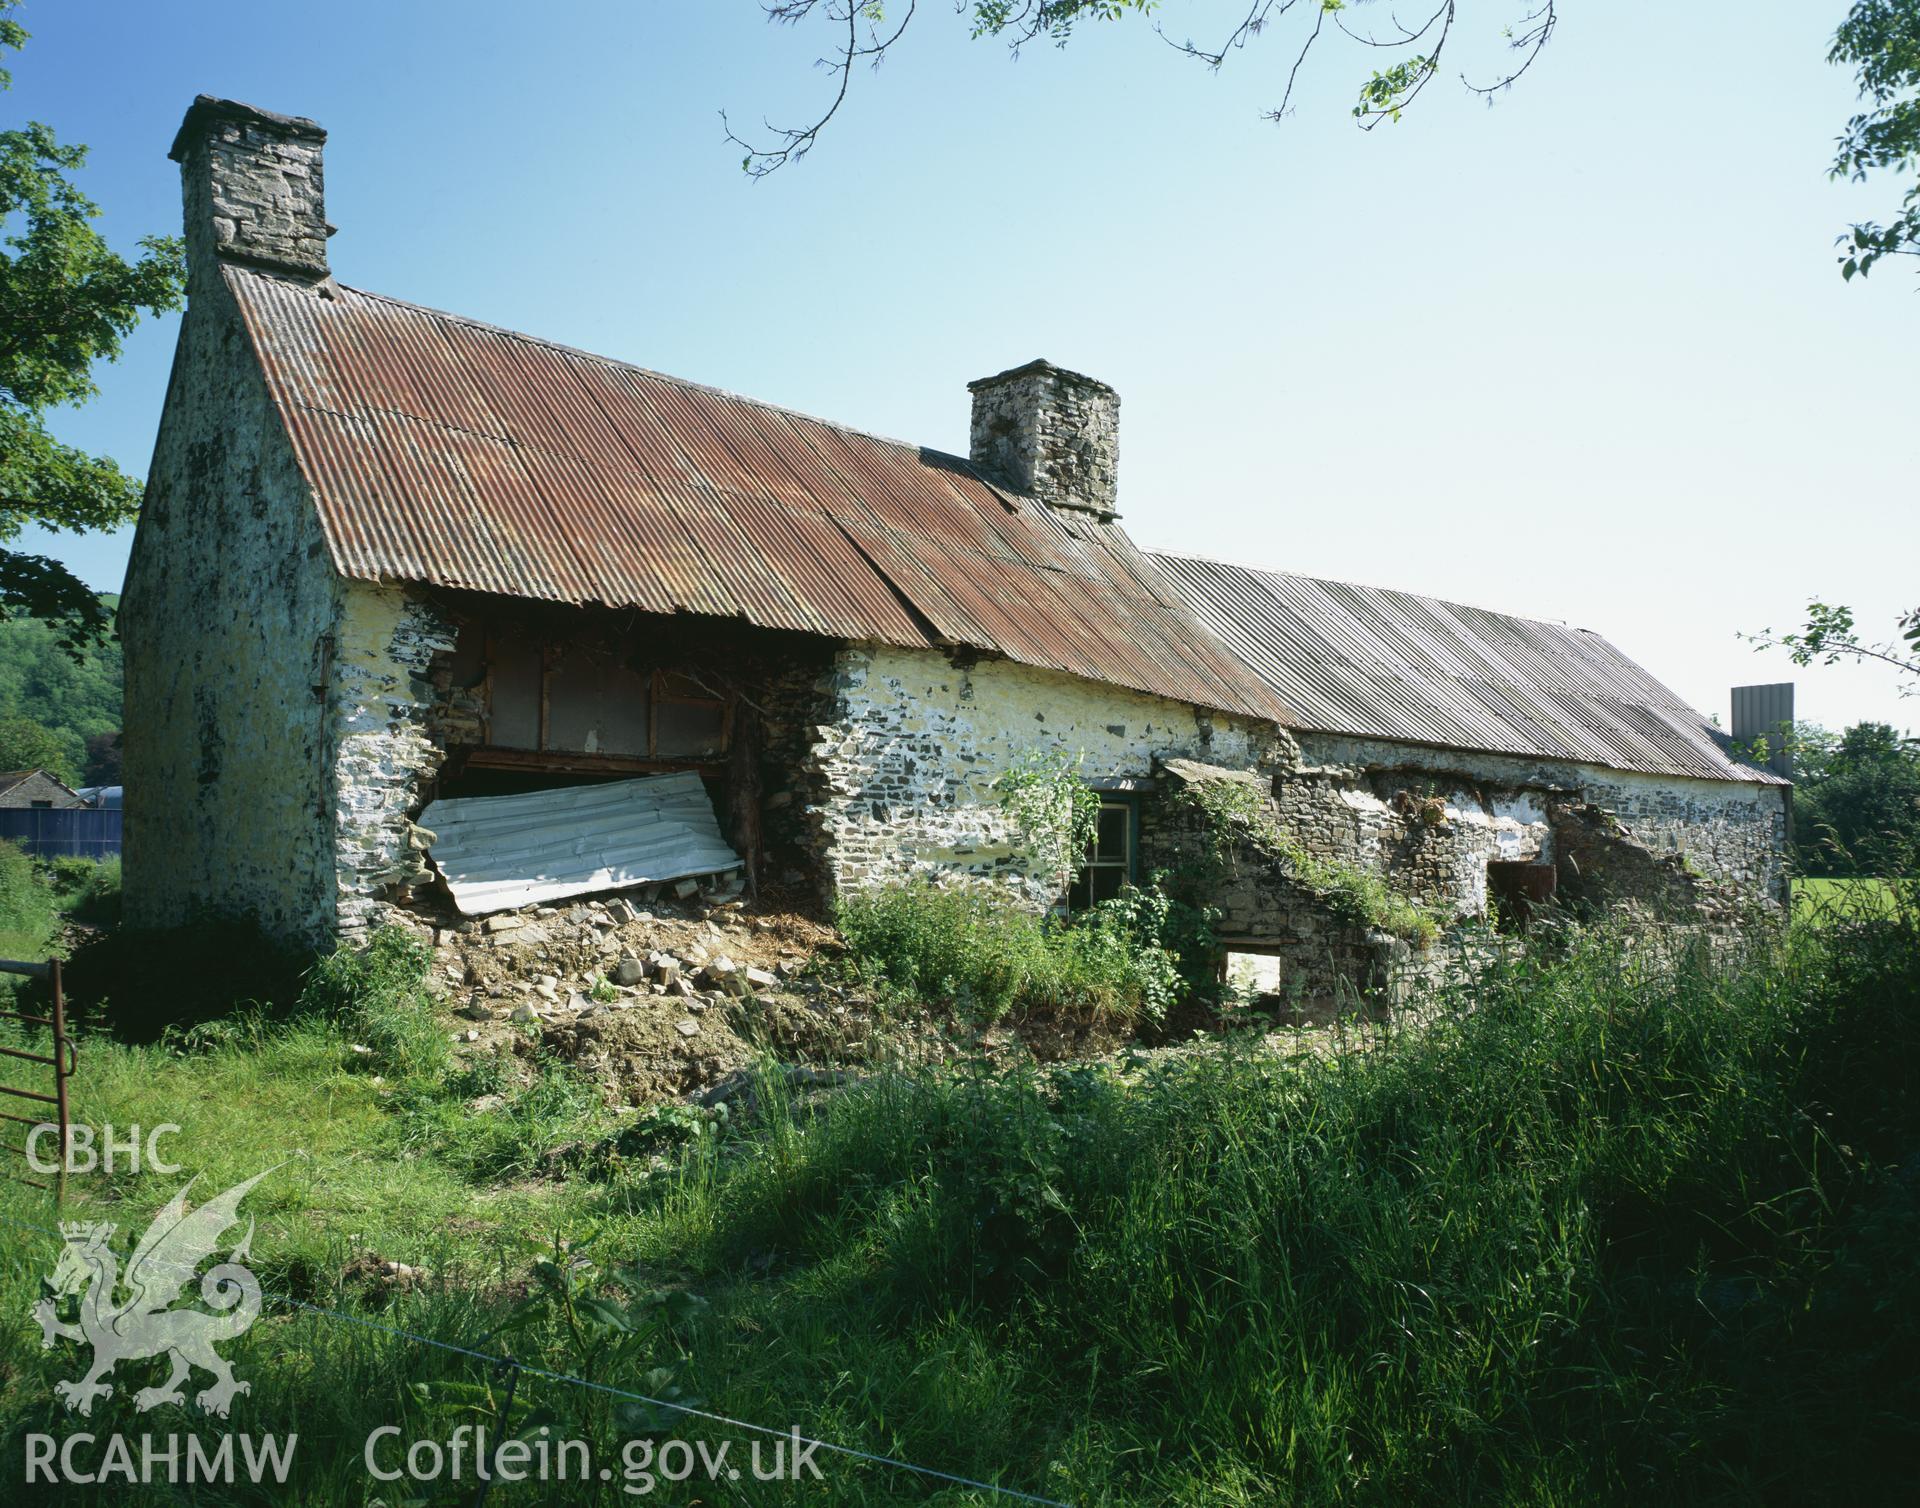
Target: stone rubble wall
{"x":1429,"y":833}
{"x":1432,"y":847}
{"x":795,"y":698}
{"x":1729,"y":831}
{"x":1432,"y":842}
{"x":1326,"y":961}
{"x":902,"y":776}
{"x":901,"y":788}
{"x":388,"y":721}
{"x":1603,"y":870}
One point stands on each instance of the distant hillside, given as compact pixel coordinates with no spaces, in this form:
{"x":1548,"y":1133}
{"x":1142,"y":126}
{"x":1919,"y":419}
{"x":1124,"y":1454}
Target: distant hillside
{"x":40,"y":683}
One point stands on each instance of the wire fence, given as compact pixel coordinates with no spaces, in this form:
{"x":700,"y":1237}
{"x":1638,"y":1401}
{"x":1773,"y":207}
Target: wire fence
{"x":513,"y":1368}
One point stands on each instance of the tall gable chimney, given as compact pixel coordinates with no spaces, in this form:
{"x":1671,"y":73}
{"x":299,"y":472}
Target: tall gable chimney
{"x":1050,"y":433}
{"x":253,"y":189}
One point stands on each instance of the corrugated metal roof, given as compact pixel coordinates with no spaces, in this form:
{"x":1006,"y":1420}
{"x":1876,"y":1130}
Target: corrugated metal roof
{"x":445,"y":451}
{"x":499,"y":852}
{"x":1373,"y":663}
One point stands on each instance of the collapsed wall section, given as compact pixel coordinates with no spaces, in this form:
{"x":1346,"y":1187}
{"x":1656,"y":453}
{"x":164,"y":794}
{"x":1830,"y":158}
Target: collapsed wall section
{"x":437,"y":693}
{"x":1730,"y":831}
{"x":1354,"y":882}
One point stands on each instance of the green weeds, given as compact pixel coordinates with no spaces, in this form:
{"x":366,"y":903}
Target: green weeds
{"x":378,"y":997}
{"x":970,"y":950}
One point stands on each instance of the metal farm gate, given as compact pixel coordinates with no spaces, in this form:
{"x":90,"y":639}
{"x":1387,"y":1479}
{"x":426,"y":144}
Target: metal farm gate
{"x":63,"y":1061}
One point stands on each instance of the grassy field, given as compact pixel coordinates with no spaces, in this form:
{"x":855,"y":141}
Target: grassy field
{"x":1820,"y":898}
{"x":1614,"y":1233}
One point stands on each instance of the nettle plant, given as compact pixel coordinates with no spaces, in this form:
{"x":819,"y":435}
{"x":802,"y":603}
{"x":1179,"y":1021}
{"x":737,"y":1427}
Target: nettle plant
{"x":1055,"y":812}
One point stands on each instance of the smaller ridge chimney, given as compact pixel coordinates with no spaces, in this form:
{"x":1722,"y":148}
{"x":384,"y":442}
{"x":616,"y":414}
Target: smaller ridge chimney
{"x":1050,"y":433}
{"x":253,"y":189}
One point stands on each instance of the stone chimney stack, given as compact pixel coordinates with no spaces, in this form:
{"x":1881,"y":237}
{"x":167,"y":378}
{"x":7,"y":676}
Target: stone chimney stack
{"x":1050,"y":433}
{"x":253,"y":190}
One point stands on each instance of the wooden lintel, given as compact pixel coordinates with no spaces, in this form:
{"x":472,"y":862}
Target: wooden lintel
{"x":556,"y":763}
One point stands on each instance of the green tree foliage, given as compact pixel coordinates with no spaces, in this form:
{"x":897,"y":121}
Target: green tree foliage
{"x":102,"y":765}
{"x":1829,"y":636}
{"x":25,"y":745}
{"x":1857,"y":801}
{"x":1055,"y":812}
{"x":67,"y":300}
{"x":1880,"y":40}
{"x":74,"y":699}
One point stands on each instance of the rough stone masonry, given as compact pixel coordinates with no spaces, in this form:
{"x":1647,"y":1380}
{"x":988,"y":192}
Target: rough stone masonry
{"x":1050,"y":433}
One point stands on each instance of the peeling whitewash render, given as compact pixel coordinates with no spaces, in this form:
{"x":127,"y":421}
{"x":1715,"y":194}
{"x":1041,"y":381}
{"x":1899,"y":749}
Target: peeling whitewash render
{"x":910,"y":760}
{"x":391,"y":557}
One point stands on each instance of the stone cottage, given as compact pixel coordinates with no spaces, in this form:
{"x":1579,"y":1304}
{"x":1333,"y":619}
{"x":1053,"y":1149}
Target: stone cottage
{"x":391,"y":556}
{"x":36,"y":788}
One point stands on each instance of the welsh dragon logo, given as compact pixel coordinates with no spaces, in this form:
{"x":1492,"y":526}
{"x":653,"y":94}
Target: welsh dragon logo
{"x":143,"y":1323}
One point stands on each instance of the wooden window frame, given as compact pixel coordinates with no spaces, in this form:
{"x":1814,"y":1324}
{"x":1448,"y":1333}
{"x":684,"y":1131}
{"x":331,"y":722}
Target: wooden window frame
{"x":1125,"y":801}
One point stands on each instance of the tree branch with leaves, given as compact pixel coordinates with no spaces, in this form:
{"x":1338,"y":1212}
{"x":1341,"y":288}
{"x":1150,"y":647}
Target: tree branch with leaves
{"x":1829,"y":636}
{"x":67,"y":301}
{"x":864,"y":32}
{"x":1879,"y":40}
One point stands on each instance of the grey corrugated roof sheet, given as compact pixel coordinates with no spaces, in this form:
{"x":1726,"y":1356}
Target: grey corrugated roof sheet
{"x":501,"y":852}
{"x":1373,"y":663}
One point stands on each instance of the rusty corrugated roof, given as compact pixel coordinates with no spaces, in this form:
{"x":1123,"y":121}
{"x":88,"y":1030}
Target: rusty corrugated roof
{"x":445,"y":451}
{"x":1373,"y":663}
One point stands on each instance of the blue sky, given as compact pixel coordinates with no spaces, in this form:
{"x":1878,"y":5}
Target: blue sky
{"x":1582,"y":355}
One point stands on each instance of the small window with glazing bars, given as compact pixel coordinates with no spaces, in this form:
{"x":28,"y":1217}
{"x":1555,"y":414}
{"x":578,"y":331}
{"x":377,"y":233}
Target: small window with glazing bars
{"x":1110,"y":860}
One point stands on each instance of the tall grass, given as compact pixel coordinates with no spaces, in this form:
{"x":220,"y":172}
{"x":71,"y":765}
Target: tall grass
{"x":378,"y":996}
{"x":1615,"y":1233}
{"x":29,"y":916}
{"x":970,"y":949}
{"x":88,"y":890}
{"x":1607,"y":1231}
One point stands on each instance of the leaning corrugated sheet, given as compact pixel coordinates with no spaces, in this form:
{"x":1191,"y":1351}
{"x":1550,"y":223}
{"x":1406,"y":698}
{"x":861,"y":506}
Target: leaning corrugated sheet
{"x":1379,"y":664}
{"x":498,"y":852}
{"x":448,"y":452}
